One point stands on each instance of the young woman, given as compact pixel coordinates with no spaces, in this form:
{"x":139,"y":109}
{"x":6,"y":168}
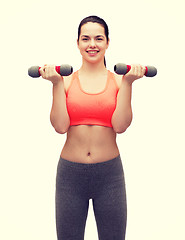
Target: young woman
{"x":91,"y":106}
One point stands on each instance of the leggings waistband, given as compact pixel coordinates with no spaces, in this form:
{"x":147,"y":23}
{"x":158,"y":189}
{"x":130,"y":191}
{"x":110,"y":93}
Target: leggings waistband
{"x":90,"y":165}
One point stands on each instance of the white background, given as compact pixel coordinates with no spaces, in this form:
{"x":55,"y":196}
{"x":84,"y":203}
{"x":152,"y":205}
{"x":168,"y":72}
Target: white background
{"x":152,"y":149}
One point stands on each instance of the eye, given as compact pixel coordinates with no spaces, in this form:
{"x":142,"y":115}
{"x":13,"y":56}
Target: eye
{"x":99,"y":39}
{"x":85,"y":39}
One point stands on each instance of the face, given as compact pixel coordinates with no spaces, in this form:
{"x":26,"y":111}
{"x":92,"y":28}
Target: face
{"x":92,"y":42}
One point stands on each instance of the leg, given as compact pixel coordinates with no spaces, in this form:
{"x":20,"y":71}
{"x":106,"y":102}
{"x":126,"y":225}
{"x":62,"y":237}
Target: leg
{"x":71,"y":204}
{"x":71,"y":215}
{"x":110,"y":209}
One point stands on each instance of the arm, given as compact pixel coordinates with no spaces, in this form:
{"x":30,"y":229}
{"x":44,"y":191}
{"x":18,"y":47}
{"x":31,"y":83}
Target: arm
{"x":122,"y":116}
{"x":59,"y":115}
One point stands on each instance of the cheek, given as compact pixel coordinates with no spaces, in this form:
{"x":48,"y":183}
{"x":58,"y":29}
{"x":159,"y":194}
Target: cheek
{"x":103,"y":48}
{"x":83,"y":46}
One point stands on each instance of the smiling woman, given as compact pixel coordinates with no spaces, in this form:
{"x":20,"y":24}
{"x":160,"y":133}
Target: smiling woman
{"x":101,"y":24}
{"x":92,"y":106}
{"x":92,"y":42}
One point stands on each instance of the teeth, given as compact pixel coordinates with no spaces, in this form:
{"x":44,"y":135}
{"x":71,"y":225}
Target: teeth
{"x":92,"y":51}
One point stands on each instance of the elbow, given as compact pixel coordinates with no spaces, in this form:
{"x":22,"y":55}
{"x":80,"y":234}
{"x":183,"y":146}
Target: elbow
{"x":119,"y":131}
{"x":121,"y":127}
{"x":60,"y":127}
{"x":60,"y":131}
{"x":121,"y":123}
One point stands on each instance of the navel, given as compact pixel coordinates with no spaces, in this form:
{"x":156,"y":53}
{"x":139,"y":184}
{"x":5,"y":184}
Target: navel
{"x":88,"y":154}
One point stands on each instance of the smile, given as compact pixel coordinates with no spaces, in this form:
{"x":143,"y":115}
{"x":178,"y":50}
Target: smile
{"x":92,"y":52}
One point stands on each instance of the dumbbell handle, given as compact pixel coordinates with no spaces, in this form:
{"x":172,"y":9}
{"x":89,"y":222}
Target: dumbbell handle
{"x":122,"y":69}
{"x":63,"y":70}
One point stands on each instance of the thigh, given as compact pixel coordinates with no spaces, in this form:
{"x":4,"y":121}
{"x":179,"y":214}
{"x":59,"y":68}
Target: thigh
{"x":71,"y":204}
{"x":71,"y":215}
{"x":110,"y":209}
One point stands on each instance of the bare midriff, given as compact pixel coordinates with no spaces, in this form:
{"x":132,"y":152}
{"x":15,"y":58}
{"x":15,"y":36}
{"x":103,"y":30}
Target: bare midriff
{"x":90,"y":144}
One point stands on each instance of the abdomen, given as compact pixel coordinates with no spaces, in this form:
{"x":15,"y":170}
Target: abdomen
{"x":90,"y":144}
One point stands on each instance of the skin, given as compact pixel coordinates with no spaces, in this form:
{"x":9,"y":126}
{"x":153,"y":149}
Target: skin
{"x":85,"y":143}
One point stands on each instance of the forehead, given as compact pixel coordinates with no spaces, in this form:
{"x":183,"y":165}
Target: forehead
{"x":92,"y":28}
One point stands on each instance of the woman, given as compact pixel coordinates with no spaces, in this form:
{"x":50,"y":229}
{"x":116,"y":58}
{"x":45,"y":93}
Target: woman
{"x":91,"y":106}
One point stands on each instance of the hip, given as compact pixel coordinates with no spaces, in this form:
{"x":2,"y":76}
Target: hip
{"x":89,"y":180}
{"x":89,"y":154}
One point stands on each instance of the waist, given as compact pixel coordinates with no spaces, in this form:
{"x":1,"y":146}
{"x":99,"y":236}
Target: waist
{"x":92,"y":134}
{"x":92,"y":122}
{"x":90,"y":144}
{"x":109,"y":163}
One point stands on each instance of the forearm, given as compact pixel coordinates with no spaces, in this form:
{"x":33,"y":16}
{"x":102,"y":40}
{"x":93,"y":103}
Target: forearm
{"x":122,"y":116}
{"x":59,"y":115}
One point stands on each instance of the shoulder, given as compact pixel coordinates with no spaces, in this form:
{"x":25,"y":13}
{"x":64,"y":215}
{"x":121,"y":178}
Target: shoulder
{"x":67,"y":82}
{"x":118,"y":79}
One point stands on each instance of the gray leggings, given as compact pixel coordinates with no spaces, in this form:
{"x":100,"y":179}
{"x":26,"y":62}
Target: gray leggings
{"x":102,"y":182}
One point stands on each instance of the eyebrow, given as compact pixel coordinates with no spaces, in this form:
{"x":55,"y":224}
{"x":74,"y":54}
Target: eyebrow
{"x":95,"y":36}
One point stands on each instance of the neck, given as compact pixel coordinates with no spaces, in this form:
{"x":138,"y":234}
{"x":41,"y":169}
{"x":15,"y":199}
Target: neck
{"x":93,"y":68}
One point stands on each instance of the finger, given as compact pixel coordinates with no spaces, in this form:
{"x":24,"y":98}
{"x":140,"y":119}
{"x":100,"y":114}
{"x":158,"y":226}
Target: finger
{"x":137,"y":72}
{"x":46,"y":70}
{"x":42,"y":71}
{"x":136,"y":69}
{"x":49,"y":68}
{"x":133,"y":69}
{"x":143,"y":70}
{"x":44,"y":67}
{"x":140,"y":70}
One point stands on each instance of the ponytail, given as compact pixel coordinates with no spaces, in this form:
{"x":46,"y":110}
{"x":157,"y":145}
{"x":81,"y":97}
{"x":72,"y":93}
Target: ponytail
{"x":104,"y":62}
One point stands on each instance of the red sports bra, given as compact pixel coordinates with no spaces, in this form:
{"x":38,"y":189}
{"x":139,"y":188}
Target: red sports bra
{"x":91,"y":108}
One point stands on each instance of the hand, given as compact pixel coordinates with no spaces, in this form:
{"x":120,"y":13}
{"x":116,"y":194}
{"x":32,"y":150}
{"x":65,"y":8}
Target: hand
{"x":48,"y":72}
{"x":136,"y":72}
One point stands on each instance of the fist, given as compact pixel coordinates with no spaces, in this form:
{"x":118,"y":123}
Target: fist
{"x":49,"y":72}
{"x":137,"y":71}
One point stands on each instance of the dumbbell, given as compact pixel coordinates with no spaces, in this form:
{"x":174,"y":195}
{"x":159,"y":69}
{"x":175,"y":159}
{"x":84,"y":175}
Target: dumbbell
{"x":122,"y":69}
{"x":63,"y":70}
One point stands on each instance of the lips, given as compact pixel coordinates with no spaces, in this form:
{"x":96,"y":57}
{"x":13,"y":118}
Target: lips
{"x":92,"y":52}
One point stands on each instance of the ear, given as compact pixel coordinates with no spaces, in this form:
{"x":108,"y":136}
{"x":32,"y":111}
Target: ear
{"x":77,"y":43}
{"x":108,"y":43}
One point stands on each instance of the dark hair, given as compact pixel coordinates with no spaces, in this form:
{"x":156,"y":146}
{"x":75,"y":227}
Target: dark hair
{"x":94,"y":19}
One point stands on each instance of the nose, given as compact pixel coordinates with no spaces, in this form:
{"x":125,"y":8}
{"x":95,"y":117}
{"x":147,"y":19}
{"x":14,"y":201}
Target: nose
{"x":92,"y":43}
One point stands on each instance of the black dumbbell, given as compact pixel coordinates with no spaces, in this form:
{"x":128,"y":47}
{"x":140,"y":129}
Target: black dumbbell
{"x":122,"y":69}
{"x":63,"y":70}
